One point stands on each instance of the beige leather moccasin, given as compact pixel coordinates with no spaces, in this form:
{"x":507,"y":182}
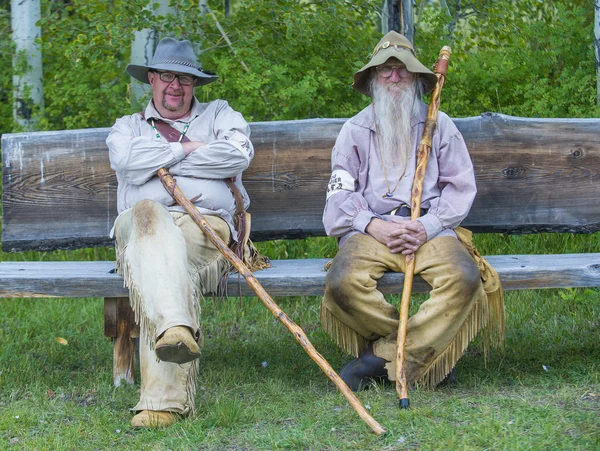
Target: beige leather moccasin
{"x":177,"y":345}
{"x":154,"y":419}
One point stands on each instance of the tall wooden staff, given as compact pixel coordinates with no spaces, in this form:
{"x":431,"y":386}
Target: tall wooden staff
{"x":299,"y":335}
{"x":415,"y":204}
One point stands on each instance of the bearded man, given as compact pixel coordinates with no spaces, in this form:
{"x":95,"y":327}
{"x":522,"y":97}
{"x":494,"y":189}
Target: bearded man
{"x":368,"y":210}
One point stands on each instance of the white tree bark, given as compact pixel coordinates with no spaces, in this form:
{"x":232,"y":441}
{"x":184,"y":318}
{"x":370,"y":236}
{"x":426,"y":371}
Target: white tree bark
{"x":597,"y":47}
{"x":203,"y":7}
{"x":142,"y":50}
{"x":27,"y":63}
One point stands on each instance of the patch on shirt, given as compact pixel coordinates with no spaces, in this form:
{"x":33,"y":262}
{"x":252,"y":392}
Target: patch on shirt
{"x":340,"y":181}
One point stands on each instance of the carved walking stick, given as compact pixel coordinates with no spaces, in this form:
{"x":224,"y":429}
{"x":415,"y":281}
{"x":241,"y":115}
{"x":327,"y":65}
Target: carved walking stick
{"x":177,"y":194}
{"x":417,"y":190}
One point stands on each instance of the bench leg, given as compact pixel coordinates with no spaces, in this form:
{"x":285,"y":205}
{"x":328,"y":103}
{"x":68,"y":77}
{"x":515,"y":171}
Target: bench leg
{"x":119,"y":323}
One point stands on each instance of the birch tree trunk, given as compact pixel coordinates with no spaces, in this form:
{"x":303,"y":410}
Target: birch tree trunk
{"x":27,"y":64}
{"x":597,"y":47}
{"x":142,"y":50}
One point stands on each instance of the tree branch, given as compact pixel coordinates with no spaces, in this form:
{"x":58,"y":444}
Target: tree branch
{"x":222,"y":31}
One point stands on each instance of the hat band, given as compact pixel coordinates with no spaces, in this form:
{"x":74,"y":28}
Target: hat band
{"x":179,"y":62}
{"x":387,"y":44}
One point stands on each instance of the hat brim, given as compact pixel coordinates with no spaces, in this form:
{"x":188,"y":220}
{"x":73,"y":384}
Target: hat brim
{"x":141,"y":72}
{"x":361,"y":77}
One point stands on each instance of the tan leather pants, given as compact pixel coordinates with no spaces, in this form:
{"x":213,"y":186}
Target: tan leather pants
{"x":167,"y":262}
{"x":354,"y":312}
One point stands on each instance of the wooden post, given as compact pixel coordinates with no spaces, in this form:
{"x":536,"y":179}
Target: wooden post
{"x":407,"y":24}
{"x":119,"y":323}
{"x":398,"y":16}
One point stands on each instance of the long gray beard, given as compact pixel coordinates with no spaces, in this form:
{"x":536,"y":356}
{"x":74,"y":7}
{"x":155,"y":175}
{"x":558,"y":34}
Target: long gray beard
{"x":393,"y":113}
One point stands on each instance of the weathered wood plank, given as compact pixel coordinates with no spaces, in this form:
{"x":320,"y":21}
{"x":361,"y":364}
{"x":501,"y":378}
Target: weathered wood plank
{"x":124,"y":344}
{"x":287,"y":277}
{"x":533,"y":175}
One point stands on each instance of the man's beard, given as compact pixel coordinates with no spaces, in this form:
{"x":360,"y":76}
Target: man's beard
{"x":394,"y":106}
{"x":168,"y":106}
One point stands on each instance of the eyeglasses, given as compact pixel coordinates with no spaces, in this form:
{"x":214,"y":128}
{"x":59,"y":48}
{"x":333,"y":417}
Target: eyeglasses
{"x":387,"y":70}
{"x":168,"y":77}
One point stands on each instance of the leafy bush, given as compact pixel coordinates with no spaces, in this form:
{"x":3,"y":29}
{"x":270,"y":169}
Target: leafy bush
{"x":524,"y":58}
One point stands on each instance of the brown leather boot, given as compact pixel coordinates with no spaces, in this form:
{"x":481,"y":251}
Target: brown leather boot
{"x":177,"y":345}
{"x":367,"y":368}
{"x":153,"y":419}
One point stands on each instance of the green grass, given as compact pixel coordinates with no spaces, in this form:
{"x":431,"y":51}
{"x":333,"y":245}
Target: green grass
{"x":542,"y":392}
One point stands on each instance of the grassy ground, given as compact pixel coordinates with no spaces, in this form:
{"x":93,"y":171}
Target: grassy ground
{"x":259,"y":390}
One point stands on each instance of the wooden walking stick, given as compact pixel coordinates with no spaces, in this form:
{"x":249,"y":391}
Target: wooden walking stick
{"x":173,"y":189}
{"x":415,"y":204}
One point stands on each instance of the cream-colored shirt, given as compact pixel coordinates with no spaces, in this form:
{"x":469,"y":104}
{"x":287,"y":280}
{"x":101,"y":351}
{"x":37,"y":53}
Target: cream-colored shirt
{"x":136,"y":154}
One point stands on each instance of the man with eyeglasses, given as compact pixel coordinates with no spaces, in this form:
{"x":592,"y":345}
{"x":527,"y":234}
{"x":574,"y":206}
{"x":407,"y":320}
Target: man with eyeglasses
{"x":368,"y":210}
{"x":165,"y":258}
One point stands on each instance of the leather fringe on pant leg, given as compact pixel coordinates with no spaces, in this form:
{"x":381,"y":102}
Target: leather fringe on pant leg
{"x":135,"y":298}
{"x":191,"y":385}
{"x":484,"y":315}
{"x":495,"y":329}
{"x":347,"y":339}
{"x":488,"y":314}
{"x":204,"y":280}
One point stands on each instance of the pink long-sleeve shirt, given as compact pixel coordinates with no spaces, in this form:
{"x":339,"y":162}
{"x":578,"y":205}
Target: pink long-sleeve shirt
{"x":355,"y":193}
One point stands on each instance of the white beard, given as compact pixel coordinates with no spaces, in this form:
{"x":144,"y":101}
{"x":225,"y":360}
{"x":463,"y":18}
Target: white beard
{"x":393,"y":112}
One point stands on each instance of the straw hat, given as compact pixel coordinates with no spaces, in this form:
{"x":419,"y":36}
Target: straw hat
{"x":397,"y":46}
{"x":173,"y":56}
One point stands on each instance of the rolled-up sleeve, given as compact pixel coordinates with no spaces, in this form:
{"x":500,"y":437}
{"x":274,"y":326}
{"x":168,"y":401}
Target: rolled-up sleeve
{"x":136,"y":158}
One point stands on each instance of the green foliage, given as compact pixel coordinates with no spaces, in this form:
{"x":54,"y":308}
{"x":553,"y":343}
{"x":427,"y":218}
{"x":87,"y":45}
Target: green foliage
{"x":519,"y":57}
{"x":85,"y":48}
{"x":523,"y":58}
{"x":299,"y":55}
{"x":6,"y":90}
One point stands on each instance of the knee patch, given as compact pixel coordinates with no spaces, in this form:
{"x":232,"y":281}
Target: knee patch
{"x":145,"y":217}
{"x":470,"y":276}
{"x":338,"y":278}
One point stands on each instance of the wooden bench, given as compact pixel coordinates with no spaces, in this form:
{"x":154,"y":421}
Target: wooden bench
{"x":533,"y":175}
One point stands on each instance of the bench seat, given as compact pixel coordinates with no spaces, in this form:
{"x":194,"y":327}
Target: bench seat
{"x":303,"y":277}
{"x":59,"y":192}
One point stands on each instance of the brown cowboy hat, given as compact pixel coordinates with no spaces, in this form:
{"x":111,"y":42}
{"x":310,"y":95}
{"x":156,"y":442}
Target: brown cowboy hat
{"x":393,"y":45}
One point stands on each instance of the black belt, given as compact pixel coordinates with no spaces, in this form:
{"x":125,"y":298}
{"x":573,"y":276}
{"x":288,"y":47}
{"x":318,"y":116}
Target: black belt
{"x":405,"y":211}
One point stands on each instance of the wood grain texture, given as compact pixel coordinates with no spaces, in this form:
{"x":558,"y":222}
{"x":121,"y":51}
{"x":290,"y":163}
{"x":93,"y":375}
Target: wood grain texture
{"x":533,"y":175}
{"x":287,"y":277}
{"x":124,"y":344}
{"x":110,"y":317}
